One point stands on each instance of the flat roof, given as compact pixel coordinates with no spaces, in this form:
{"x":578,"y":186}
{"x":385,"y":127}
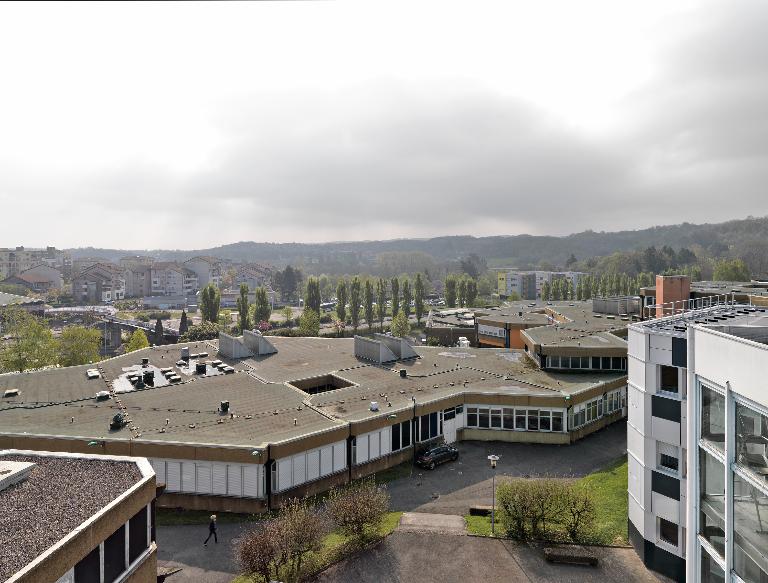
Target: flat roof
{"x":267,"y":407}
{"x":59,"y":494}
{"x":735,"y":315}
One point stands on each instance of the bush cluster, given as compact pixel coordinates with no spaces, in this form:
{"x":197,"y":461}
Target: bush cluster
{"x":545,"y":509}
{"x":285,"y":546}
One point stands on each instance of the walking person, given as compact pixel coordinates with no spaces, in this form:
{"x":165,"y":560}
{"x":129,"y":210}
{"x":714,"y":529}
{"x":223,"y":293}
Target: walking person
{"x":212,"y":531}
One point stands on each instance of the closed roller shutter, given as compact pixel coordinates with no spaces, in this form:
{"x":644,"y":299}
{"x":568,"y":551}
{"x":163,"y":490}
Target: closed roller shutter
{"x":159,"y":467}
{"x":339,"y":456}
{"x":188,"y":476}
{"x":173,"y":476}
{"x":219,"y":479}
{"x":284,"y":474}
{"x":299,"y":469}
{"x":386,"y":441}
{"x":362,"y":449}
{"x":326,"y":461}
{"x":373,"y":445}
{"x":234,"y":480}
{"x":313,"y":465}
{"x":251,"y":481}
{"x":204,"y":478}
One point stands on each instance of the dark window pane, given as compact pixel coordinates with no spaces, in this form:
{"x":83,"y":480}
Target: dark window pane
{"x":533,"y":419}
{"x":88,"y":569}
{"x":596,"y":362}
{"x":616,"y":363}
{"x":448,"y":414}
{"x":509,"y":418}
{"x":114,"y":555}
{"x":471,"y":417}
{"x":669,"y":379}
{"x":406,"y":433}
{"x":396,"y":437}
{"x":711,"y":503}
{"x":713,"y":417}
{"x":606,"y":362}
{"x":137,"y":535}
{"x":557,"y":421}
{"x":424,"y":428}
{"x":483,"y":418}
{"x":584,"y":362}
{"x":544,"y":418}
{"x":667,"y":461}
{"x":433,"y":431}
{"x":496,"y":418}
{"x":710,"y":570}
{"x":520,"y":419}
{"x":668,"y":531}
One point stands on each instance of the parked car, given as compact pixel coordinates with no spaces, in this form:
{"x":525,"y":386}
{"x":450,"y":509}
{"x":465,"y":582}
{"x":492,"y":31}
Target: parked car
{"x":437,"y":455}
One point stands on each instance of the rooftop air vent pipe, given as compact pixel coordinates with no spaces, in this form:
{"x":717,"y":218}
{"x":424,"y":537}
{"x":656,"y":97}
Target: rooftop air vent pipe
{"x":403,"y":373}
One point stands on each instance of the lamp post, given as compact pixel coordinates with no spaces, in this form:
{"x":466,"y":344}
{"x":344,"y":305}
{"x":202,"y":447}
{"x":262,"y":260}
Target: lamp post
{"x":493,"y":459}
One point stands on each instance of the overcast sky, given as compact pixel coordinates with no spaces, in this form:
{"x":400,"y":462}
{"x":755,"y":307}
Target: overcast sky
{"x":180,"y":125}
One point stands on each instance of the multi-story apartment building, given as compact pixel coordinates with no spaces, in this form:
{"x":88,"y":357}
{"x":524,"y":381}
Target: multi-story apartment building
{"x":101,"y":282}
{"x":14,"y":261}
{"x":138,"y":280}
{"x":172,"y":279}
{"x":528,"y":284}
{"x":135,"y":260}
{"x":207,"y":269}
{"x":40,"y":278}
{"x":697,"y":438}
{"x":252,"y":275}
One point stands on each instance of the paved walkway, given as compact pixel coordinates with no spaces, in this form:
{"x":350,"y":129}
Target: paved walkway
{"x":182,"y":546}
{"x":432,"y":523}
{"x":426,"y":558}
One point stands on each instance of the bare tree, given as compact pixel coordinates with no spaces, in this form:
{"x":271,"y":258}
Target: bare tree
{"x":258,"y":551}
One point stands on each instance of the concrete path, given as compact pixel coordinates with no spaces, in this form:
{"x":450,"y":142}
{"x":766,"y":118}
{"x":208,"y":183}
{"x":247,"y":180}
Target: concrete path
{"x":182,"y":546}
{"x":434,"y":523}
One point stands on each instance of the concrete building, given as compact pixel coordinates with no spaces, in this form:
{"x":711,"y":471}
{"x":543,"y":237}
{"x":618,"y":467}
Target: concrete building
{"x":40,"y":278}
{"x":252,"y":275}
{"x":527,"y":284}
{"x":76,"y":518}
{"x":138,"y":280}
{"x":694,"y":439}
{"x":247,"y":422}
{"x":173,"y":279}
{"x":101,"y":282}
{"x":35,"y":306}
{"x":14,"y":261}
{"x":135,"y":261}
{"x":207,"y":269}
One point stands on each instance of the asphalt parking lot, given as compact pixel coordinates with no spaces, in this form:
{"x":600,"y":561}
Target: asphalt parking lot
{"x":453,"y":487}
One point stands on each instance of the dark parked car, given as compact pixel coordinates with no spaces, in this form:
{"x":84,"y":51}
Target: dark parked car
{"x":437,"y":455}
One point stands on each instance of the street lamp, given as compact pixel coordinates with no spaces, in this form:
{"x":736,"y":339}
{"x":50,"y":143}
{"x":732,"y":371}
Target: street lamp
{"x":493,"y":459}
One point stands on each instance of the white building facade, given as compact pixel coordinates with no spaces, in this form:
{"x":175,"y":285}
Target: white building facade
{"x":697,"y":441}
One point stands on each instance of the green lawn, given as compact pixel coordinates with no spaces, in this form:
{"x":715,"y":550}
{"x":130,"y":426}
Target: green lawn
{"x":336,"y":546}
{"x":609,"y":487}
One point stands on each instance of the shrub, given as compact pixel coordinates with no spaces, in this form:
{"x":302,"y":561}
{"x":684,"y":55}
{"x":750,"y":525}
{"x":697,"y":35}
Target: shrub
{"x":202,"y":331}
{"x":358,"y":509}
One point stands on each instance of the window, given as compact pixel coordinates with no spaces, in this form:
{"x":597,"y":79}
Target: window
{"x":606,"y":363}
{"x":712,"y":501}
{"x":496,"y":418}
{"x":533,"y":420}
{"x":471,"y":416}
{"x":616,"y":363}
{"x":449,"y":414}
{"x":114,"y":555}
{"x":88,"y":569}
{"x":584,"y":362}
{"x":750,"y":548}
{"x":520,"y":422}
{"x":396,"y":437}
{"x":596,"y":362}
{"x":545,"y":421}
{"x":406,"y":433}
{"x":669,"y":379}
{"x":137,"y":535}
{"x":713,"y":417}
{"x":509,"y":418}
{"x":668,"y":532}
{"x":557,"y":420}
{"x":483,"y":419}
{"x":666,"y":458}
{"x":711,"y":572}
{"x":751,"y":439}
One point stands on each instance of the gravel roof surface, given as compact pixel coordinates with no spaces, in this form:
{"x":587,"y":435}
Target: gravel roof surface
{"x":59,"y":495}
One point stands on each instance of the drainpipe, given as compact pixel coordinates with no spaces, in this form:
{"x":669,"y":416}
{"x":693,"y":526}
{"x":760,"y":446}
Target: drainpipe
{"x":349,"y":453}
{"x":268,"y":478}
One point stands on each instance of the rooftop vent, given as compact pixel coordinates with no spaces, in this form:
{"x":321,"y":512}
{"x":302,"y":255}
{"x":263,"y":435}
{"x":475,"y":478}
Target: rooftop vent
{"x":374,"y":406}
{"x":10,"y":393}
{"x":185,"y":353}
{"x":102,"y":395}
{"x":403,"y":373}
{"x":13,"y":472}
{"x":224,"y":407}
{"x":92,"y":373}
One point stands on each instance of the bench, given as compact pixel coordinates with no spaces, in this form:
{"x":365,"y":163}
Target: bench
{"x":571,"y":555}
{"x":480,"y":510}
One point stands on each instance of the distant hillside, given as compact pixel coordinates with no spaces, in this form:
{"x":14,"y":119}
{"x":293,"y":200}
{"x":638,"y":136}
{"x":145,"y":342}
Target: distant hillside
{"x":518,"y":250}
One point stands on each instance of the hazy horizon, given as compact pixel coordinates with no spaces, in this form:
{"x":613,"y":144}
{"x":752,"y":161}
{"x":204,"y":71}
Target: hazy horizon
{"x":193,"y":125}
